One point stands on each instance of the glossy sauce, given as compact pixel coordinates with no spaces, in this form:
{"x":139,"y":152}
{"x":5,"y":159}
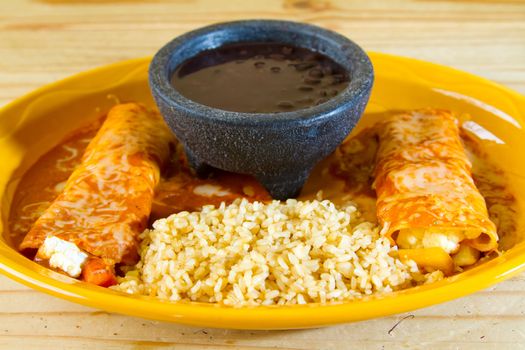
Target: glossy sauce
{"x":353,"y":162}
{"x":345,"y":176}
{"x":42,"y":183}
{"x":260,"y":78}
{"x":177,"y":191}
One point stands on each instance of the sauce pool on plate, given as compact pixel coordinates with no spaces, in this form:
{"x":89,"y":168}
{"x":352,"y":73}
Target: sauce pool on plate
{"x":259,"y":77}
{"x":346,"y":175}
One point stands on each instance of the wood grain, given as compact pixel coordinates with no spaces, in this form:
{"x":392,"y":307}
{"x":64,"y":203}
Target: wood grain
{"x":43,"y":41}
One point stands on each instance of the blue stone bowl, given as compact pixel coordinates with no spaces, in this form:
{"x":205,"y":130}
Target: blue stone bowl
{"x":278,"y":149}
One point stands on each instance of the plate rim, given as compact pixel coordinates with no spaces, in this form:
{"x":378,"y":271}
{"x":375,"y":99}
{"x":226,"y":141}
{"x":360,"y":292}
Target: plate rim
{"x":260,"y":317}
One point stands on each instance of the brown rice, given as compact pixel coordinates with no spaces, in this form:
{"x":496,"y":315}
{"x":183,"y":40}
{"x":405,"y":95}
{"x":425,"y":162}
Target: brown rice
{"x":292,"y":252}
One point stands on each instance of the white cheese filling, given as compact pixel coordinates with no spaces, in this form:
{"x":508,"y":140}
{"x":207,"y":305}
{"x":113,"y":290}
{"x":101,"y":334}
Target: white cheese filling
{"x":448,"y":240}
{"x":63,"y":255}
{"x":208,"y":190}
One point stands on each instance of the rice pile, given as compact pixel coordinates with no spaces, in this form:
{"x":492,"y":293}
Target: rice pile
{"x":291,"y":252}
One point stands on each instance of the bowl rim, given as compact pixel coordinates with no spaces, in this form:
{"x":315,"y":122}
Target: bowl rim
{"x":361,"y":81}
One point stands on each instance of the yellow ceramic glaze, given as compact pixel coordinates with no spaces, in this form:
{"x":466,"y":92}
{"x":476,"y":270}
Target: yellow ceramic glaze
{"x":32,"y":124}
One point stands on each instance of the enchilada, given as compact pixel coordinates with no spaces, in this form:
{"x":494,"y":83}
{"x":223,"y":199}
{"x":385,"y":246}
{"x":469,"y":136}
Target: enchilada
{"x":106,"y":202}
{"x":426,"y":197}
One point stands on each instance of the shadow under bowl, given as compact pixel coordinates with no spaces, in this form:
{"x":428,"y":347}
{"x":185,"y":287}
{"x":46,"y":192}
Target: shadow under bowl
{"x":278,"y":149}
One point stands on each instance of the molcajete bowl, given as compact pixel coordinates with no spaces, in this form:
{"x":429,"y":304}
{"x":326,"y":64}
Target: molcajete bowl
{"x":278,"y":149}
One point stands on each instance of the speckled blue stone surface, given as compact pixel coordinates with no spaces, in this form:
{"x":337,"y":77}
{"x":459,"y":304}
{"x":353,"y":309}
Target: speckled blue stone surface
{"x":279,"y":149}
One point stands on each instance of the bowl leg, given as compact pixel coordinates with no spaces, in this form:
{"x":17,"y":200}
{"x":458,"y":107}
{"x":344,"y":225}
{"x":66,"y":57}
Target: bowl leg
{"x":201,"y":169}
{"x":284,"y":186}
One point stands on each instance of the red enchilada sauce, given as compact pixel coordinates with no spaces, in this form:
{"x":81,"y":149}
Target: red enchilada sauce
{"x":177,"y":191}
{"x":344,"y":176}
{"x":260,"y":77}
{"x":354,"y":164}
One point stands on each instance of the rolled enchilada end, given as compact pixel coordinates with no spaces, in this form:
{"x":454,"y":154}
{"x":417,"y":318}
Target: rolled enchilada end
{"x":427,"y":201}
{"x":95,"y":221}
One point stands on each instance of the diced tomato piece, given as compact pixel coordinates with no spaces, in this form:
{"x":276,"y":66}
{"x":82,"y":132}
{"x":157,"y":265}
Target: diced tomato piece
{"x":96,"y":271}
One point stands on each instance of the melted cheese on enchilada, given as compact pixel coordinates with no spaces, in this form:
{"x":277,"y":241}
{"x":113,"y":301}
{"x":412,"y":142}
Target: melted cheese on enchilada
{"x":107,"y":199}
{"x":426,"y":196}
{"x":416,"y":189}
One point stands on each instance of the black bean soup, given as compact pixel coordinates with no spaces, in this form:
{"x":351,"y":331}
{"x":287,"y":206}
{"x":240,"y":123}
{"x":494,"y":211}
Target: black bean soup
{"x":260,"y":77}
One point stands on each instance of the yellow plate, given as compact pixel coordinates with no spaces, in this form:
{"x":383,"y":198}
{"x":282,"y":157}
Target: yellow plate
{"x":33,"y":124}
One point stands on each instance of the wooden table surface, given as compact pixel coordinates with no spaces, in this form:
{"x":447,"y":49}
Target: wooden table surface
{"x":43,"y":41}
